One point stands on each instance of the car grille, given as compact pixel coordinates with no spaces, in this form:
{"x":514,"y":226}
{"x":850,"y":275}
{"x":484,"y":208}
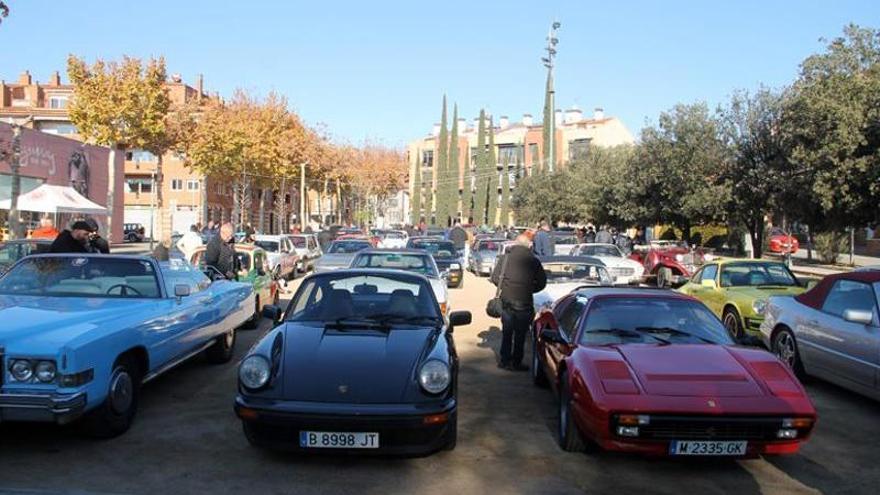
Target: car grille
{"x":621,"y":271}
{"x":710,"y":428}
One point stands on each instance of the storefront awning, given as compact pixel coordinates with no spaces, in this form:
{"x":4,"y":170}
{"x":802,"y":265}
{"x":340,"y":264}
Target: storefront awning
{"x":56,"y":199}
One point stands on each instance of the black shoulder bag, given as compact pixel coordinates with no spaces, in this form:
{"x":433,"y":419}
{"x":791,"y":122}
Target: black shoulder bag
{"x":493,"y":307}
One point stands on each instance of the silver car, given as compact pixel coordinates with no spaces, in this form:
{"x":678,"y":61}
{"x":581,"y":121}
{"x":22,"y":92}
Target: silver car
{"x":339,"y":254}
{"x":483,"y":255}
{"x":830,"y":332}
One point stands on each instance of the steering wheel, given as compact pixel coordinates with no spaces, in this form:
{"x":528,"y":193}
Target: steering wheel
{"x":124,"y":288}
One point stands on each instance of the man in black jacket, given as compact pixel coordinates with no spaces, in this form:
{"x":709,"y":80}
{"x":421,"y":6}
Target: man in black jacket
{"x":97,"y":243}
{"x":220,"y":252}
{"x":519,"y":274}
{"x":73,"y":240}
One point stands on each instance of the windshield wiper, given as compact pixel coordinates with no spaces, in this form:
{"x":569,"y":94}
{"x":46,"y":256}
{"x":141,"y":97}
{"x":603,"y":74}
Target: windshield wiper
{"x":673,"y":331}
{"x":386,"y":318}
{"x":350,"y":323}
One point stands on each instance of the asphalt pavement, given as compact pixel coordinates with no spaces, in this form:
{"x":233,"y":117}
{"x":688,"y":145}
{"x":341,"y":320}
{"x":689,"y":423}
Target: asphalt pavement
{"x":186,"y":439}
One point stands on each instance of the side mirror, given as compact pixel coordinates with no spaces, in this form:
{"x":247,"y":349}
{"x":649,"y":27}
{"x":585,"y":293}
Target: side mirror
{"x":458,"y":318}
{"x":551,"y":336}
{"x":272,"y":312}
{"x":858,"y":316}
{"x":181,"y":290}
{"x":709,"y":284}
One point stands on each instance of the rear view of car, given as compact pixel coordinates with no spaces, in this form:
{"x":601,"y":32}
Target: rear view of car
{"x":340,"y":253}
{"x":393,"y":239}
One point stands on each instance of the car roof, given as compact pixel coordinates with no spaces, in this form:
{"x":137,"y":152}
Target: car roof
{"x":571,"y":259}
{"x":374,"y":271}
{"x":420,"y":252}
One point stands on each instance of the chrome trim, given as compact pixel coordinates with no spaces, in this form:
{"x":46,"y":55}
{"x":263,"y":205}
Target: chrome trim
{"x":171,"y":364}
{"x":58,"y":404}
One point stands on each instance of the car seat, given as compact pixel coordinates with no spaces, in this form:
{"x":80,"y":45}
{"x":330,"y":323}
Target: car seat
{"x":403,"y":303}
{"x":337,"y":304}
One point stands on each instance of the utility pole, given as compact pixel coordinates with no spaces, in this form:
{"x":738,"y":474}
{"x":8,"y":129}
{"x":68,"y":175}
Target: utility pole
{"x":552,"y":41}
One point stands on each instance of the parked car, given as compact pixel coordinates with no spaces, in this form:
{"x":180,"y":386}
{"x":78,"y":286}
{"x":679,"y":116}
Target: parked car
{"x":655,"y":372}
{"x":563,"y":242}
{"x":449,"y":261}
{"x":408,"y":260}
{"x":737,"y":291}
{"x":669,"y":263}
{"x":280,"y":253}
{"x":133,"y":232}
{"x":254,"y":270}
{"x":830,"y":331}
{"x":483,"y":255}
{"x":308,"y":249}
{"x":380,"y":361}
{"x":340,"y":253}
{"x":568,"y":273}
{"x":392,"y":239}
{"x":779,"y":242}
{"x":14,"y":250}
{"x":623,"y":269}
{"x":83,"y":332}
{"x":373,"y":240}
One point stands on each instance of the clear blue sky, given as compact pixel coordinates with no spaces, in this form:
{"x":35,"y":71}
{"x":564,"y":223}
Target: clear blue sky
{"x":378,"y":69}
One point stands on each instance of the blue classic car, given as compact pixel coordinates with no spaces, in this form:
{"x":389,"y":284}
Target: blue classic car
{"x":81,"y":333}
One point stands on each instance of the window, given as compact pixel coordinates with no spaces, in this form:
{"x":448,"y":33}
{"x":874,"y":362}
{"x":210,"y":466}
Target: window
{"x":709,"y":272}
{"x":58,"y":102}
{"x":428,"y":158}
{"x":57,"y":127}
{"x":192,"y":185}
{"x":848,"y":294}
{"x":570,"y":316}
{"x":508,"y":154}
{"x":578,"y":149}
{"x":177,"y":184}
{"x":139,"y":186}
{"x":140,"y":156}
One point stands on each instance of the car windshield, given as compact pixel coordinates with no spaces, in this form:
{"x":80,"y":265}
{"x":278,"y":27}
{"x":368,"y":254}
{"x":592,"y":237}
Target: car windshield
{"x":439,"y":249}
{"x":576,"y":272}
{"x":386,"y":298}
{"x":82,"y":276}
{"x":756,"y":274}
{"x":15,"y":251}
{"x":600,"y":250}
{"x":619,"y":320}
{"x":346,"y":247}
{"x":488,"y":246}
{"x":298,"y":241}
{"x":410,"y":262}
{"x":394,"y":235}
{"x":270,"y":246}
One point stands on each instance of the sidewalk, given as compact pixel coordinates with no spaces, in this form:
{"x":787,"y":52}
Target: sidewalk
{"x":815,"y":269}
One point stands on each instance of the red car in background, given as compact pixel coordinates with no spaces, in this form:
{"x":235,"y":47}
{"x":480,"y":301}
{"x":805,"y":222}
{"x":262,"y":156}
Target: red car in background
{"x":655,"y":372}
{"x":669,"y":263}
{"x":374,"y":240}
{"x":781,"y":243}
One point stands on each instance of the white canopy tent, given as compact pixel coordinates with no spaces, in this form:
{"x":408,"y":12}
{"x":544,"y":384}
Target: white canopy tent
{"x":57,"y":200}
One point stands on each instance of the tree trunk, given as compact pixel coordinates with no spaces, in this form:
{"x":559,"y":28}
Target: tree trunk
{"x":262,"y":222}
{"x":236,"y":201}
{"x":809,"y":242}
{"x":338,"y":202}
{"x":756,"y":232}
{"x":15,"y":167}
{"x":111,"y":190}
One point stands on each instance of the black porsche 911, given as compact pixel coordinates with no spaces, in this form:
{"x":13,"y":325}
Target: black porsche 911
{"x":361,"y":362}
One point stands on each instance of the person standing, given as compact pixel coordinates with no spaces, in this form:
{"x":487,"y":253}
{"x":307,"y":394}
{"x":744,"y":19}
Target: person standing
{"x":590,"y":235}
{"x":220,"y":253}
{"x":189,"y":242}
{"x":543,"y":243}
{"x":603,"y":236}
{"x":97,"y":243}
{"x":518,"y":274}
{"x":47,"y":230}
{"x":73,"y":240}
{"x":162,"y":252}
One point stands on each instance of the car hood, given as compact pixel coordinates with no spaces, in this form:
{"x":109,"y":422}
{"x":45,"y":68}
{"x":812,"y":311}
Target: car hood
{"x":690,"y":370}
{"x":753,"y":293}
{"x":617,"y":261}
{"x":44,"y":324}
{"x":353,"y":366}
{"x":336,"y":259}
{"x":552,"y":292}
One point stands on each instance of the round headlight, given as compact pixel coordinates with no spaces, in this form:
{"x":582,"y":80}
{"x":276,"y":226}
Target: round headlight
{"x":21,"y":370}
{"x":455,"y":266}
{"x":679,"y":258}
{"x":254,"y":372}
{"x":434,"y":376}
{"x":759,"y":305}
{"x":45,"y":371}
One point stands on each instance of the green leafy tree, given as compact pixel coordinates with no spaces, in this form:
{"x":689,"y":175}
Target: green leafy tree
{"x":453,"y":177}
{"x":480,"y":175}
{"x":492,"y":171}
{"x":4,"y":10}
{"x":602,"y":183}
{"x":467,"y":193}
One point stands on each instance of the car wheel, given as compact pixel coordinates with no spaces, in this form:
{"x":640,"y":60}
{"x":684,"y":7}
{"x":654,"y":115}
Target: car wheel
{"x":451,"y":433}
{"x":785,"y":347}
{"x":733,"y":323}
{"x":568,"y":435}
{"x":254,"y":321}
{"x":538,"y":376}
{"x":223,"y":348}
{"x":115,"y":415}
{"x":664,"y":276}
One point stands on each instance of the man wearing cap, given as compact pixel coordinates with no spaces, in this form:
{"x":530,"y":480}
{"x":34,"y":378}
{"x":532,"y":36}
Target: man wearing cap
{"x":73,"y":240}
{"x":97,"y":243}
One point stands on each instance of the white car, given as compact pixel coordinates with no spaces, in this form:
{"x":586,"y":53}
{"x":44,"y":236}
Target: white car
{"x":563,"y":242}
{"x":409,"y":260}
{"x":623,"y":269}
{"x":567,"y":273}
{"x":282,"y":256}
{"x":393,"y":239}
{"x":308,"y":249}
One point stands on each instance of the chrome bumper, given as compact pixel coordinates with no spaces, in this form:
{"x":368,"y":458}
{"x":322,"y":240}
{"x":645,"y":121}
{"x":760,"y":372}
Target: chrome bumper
{"x":47,"y":408}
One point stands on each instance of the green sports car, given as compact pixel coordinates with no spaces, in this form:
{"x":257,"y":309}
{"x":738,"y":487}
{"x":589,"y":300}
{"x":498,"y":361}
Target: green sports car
{"x":737,"y":290}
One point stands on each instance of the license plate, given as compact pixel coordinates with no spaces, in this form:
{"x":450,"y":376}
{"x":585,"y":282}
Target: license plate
{"x":338,"y":440}
{"x":698,"y":447}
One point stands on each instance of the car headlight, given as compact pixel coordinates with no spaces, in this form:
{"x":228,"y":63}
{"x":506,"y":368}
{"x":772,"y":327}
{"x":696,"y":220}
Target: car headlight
{"x":434,"y":376}
{"x":21,"y":370}
{"x":254,"y":372}
{"x":759,"y":305}
{"x":679,"y":258}
{"x":455,"y":266}
{"x":45,"y":371}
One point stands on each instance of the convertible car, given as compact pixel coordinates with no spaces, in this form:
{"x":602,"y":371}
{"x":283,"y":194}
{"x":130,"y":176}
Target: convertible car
{"x":737,"y":291}
{"x":568,"y":273}
{"x":363,"y":361}
{"x":655,"y":372}
{"x":831,"y":331}
{"x":409,"y":260}
{"x":622,"y":268}
{"x":81,"y":333}
{"x":340,"y":253}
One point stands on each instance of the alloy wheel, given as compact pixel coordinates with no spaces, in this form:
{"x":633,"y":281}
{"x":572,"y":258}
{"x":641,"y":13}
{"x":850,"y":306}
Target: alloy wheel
{"x":785,"y":348}
{"x":121,"y":391}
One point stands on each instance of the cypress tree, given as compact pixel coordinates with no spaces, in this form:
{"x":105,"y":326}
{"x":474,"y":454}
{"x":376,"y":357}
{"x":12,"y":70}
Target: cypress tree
{"x":505,"y":194}
{"x":492,"y":170}
{"x":416,"y":199}
{"x":441,"y":196}
{"x":454,"y":172}
{"x":467,"y":194}
{"x":480,"y":173}
{"x":548,"y":119}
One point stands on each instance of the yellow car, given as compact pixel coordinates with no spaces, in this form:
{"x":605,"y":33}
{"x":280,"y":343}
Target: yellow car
{"x":737,"y":290}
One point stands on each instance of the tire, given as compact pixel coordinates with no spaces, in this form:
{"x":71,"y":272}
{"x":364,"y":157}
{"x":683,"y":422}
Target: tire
{"x":254,"y":321}
{"x":539,"y":378}
{"x":452,"y":433}
{"x":567,"y":434}
{"x":664,"y":277}
{"x":733,"y":323}
{"x":223,"y":349}
{"x":116,"y":414}
{"x":784,"y":346}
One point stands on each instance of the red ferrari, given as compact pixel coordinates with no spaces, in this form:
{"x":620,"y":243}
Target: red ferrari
{"x":781,"y":243}
{"x":655,"y":372}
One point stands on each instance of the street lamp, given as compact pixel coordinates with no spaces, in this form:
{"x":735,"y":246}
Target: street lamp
{"x":552,"y":41}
